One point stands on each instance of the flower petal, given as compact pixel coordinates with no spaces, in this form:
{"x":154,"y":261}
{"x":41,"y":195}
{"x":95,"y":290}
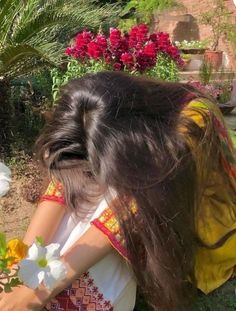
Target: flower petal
{"x":36,"y":251}
{"x":4,"y":187}
{"x":52,"y":251}
{"x":5,"y":170}
{"x":30,"y":273}
{"x":56,"y":274}
{"x":57,"y":269}
{"x":17,"y":250}
{"x":41,"y":275}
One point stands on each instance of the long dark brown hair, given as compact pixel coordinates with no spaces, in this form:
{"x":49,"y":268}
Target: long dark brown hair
{"x":114,"y":131}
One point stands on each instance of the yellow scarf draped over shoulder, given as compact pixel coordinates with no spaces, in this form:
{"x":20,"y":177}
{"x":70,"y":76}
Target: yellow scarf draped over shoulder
{"x":214,"y":267}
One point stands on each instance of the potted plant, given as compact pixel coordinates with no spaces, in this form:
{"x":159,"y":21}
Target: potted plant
{"x":218,"y":19}
{"x":192,"y":53}
{"x":220,"y":90}
{"x":192,"y":47}
{"x":225,"y":102}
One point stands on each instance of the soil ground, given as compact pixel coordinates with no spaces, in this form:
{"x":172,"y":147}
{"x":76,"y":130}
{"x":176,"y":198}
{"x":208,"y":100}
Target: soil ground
{"x":17,"y":207}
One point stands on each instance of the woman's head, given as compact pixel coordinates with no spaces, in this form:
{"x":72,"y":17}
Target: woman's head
{"x":112,"y":130}
{"x":100,"y":116}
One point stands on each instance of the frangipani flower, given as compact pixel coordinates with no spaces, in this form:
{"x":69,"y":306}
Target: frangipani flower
{"x":5,"y":178}
{"x":42,"y":265}
{"x":16,"y":251}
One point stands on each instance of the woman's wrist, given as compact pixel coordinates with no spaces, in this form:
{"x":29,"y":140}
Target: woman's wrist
{"x":43,"y":294}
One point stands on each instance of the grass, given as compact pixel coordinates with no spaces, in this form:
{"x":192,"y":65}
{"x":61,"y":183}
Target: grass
{"x":233,"y":135}
{"x":222,"y":299}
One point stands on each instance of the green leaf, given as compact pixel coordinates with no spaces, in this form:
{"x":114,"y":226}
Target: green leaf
{"x":3,"y":245}
{"x":6,"y":270}
{"x":7,"y":288}
{"x":15,"y":282}
{"x":3,"y":265}
{"x":39,"y":241}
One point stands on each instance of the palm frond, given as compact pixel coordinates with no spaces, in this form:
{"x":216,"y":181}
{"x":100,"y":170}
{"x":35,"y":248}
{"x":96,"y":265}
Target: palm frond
{"x":74,"y":14}
{"x":41,"y":22}
{"x":33,"y":30}
{"x":15,"y":54}
{"x":4,"y":8}
{"x":8,"y":14}
{"x":28,"y":66}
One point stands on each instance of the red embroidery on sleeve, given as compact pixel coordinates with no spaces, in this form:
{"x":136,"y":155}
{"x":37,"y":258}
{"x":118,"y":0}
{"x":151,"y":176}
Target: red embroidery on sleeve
{"x":82,"y":295}
{"x":54,"y":193}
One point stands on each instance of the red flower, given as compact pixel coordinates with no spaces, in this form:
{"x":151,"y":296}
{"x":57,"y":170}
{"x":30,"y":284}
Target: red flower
{"x":143,"y":61}
{"x":127,"y":59}
{"x":107,"y":57}
{"x":115,"y":38}
{"x":69,"y":51}
{"x":133,"y":37}
{"x":124,"y":44}
{"x":117,"y":66}
{"x":150,"y":49}
{"x":134,"y":50}
{"x":142,"y":33}
{"x":163,"y":37}
{"x":83,"y":38}
{"x":94,"y":51}
{"x":101,"y":41}
{"x":138,"y":36}
{"x":153,"y":37}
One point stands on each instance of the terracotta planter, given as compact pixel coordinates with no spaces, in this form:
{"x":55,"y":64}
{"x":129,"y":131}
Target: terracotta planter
{"x":215,"y":58}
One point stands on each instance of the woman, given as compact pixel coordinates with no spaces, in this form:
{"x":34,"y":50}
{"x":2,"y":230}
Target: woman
{"x":149,"y":170}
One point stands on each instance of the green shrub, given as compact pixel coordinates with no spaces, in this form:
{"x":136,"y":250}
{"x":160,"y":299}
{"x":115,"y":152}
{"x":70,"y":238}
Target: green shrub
{"x":231,"y":36}
{"x":165,"y":69}
{"x":137,"y":11}
{"x":75,"y":69}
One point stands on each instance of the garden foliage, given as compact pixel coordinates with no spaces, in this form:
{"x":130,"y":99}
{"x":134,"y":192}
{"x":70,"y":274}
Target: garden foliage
{"x":32,"y":32}
{"x":32,"y":36}
{"x":136,"y":52}
{"x":142,"y":10}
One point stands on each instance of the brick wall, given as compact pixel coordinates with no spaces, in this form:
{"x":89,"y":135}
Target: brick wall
{"x":183,"y":23}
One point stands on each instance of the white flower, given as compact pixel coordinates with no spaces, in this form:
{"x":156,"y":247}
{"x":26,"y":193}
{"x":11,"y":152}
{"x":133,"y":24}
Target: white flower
{"x":42,"y":265}
{"x":5,"y":178}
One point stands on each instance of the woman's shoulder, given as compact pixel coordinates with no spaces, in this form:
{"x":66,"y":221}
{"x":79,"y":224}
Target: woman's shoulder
{"x":207,"y":115}
{"x":200,"y":110}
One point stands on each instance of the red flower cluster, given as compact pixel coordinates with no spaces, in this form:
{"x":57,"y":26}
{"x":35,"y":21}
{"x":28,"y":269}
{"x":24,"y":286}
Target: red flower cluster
{"x":136,"y":50}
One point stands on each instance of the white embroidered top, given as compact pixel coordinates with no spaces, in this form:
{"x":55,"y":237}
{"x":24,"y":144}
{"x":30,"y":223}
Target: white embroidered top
{"x":108,"y":285}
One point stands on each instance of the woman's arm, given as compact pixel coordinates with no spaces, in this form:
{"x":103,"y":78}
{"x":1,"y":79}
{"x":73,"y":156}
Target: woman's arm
{"x":84,"y":253}
{"x":45,"y":222}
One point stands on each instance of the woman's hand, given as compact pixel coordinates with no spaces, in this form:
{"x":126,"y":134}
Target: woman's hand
{"x":83,"y":254}
{"x":23,"y":298}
